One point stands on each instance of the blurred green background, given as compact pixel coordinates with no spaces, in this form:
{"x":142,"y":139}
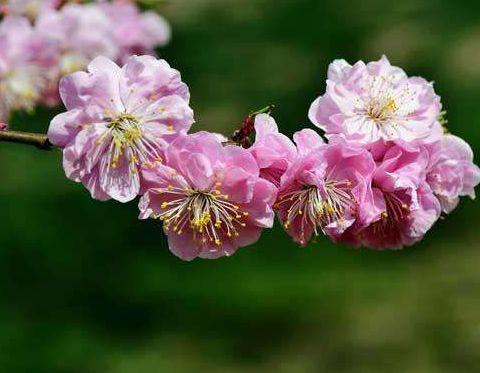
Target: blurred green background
{"x":86,"y":287}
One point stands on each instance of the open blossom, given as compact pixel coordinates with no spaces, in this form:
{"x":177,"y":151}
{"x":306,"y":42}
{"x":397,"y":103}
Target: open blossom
{"x":408,"y":208}
{"x":452,"y":173}
{"x":373,"y":101}
{"x":118,"y":120}
{"x":41,"y":41}
{"x":70,"y":28}
{"x":82,"y":31}
{"x":120,"y":30}
{"x":24,"y":60}
{"x":210,"y":198}
{"x":323,"y":189}
{"x":273,"y":151}
{"x":136,"y":32}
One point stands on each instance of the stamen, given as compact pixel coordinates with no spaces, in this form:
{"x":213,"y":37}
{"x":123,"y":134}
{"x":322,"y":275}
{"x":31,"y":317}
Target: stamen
{"x":317,"y":207}
{"x":209,"y":217}
{"x":395,"y":213}
{"x":383,"y":103}
{"x":127,"y":139}
{"x":381,"y":108}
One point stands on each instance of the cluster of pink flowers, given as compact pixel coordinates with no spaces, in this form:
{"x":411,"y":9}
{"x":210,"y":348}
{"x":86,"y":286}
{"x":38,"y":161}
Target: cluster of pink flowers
{"x":381,"y":178}
{"x":389,"y":168}
{"x":42,"y":40}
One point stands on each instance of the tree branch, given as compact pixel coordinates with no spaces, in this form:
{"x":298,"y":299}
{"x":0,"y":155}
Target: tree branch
{"x":36,"y":139}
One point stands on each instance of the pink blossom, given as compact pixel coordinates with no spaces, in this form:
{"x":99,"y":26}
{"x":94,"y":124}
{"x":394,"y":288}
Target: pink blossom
{"x":452,"y":172}
{"x":272,"y":150}
{"x":83,"y":33}
{"x":373,"y":101}
{"x":408,"y":208}
{"x":135,"y":32}
{"x":24,"y":59}
{"x":118,"y":120}
{"x":324,"y":187}
{"x":31,"y":8}
{"x":210,"y":198}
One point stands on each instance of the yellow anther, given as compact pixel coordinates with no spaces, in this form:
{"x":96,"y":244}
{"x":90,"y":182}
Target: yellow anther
{"x":199,"y":223}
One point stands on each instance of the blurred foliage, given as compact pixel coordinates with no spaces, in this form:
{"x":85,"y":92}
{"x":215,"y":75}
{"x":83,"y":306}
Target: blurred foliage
{"x":85,"y":287}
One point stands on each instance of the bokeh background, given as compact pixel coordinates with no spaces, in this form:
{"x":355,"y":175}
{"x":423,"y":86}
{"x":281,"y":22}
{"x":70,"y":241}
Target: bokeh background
{"x":86,"y":287}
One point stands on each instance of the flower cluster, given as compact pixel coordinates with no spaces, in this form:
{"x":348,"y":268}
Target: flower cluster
{"x":381,"y":179}
{"x":388,"y":169}
{"x":42,"y":40}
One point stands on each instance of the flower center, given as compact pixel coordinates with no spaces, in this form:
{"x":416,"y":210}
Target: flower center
{"x":32,"y":9}
{"x":316,"y":208}
{"x":71,"y":62}
{"x":21,"y":87}
{"x":380,"y":109}
{"x":209,"y":214}
{"x":127,"y":139}
{"x":395,"y":213}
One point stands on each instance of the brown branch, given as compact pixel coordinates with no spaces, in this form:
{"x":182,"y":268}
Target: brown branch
{"x":36,"y":139}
